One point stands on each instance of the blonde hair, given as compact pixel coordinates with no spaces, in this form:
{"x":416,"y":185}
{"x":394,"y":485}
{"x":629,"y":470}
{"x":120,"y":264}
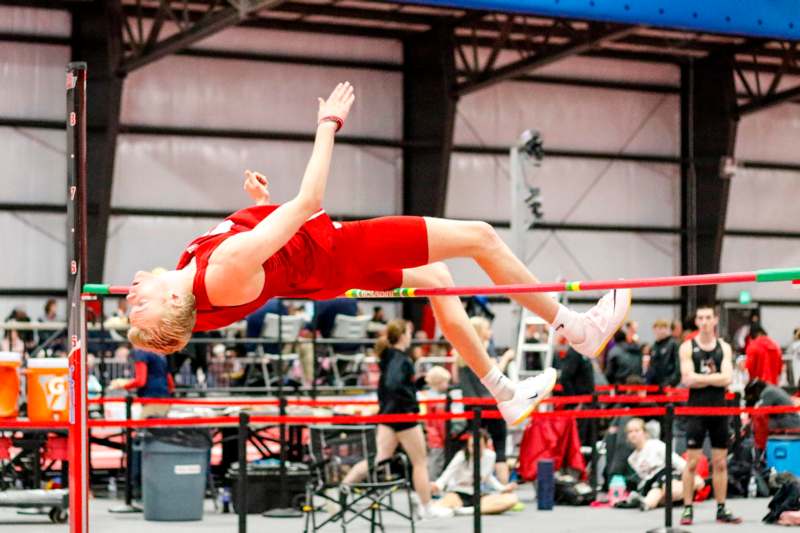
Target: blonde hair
{"x":437,"y":374}
{"x":662,"y":323}
{"x":394,"y":330}
{"x":637,"y":421}
{"x":173,"y":330}
{"x":481,"y":324}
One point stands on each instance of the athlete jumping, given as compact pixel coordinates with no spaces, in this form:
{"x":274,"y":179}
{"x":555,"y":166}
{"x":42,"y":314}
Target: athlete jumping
{"x":295,"y":250}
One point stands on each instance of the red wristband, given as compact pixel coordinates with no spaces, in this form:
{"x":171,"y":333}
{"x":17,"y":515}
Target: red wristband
{"x":333,"y":118}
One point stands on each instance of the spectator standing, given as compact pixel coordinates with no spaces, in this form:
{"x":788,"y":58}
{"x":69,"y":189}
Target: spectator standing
{"x":764,"y":356}
{"x":152,"y":380}
{"x":793,"y":353}
{"x":438,"y":380}
{"x":623,"y":360}
{"x":397,"y":394}
{"x":665,"y":366}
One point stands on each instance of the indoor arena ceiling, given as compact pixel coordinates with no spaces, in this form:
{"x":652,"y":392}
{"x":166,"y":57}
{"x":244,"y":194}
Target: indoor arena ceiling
{"x":483,"y":39}
{"x":480,"y":38}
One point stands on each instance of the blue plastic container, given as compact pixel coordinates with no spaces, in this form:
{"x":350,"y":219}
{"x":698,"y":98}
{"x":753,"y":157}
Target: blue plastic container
{"x":545,"y":484}
{"x":783,"y":453}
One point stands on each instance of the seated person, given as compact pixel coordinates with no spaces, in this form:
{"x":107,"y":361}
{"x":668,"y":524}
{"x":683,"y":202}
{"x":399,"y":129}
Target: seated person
{"x":759,"y":393}
{"x":618,"y":448}
{"x":648,"y":460}
{"x":456,"y":482}
{"x":255,"y":323}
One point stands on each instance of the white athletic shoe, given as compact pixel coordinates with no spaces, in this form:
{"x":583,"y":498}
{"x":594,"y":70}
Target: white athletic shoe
{"x":465,"y":511}
{"x":602,"y":321}
{"x":431,"y":512}
{"x":527,"y":396}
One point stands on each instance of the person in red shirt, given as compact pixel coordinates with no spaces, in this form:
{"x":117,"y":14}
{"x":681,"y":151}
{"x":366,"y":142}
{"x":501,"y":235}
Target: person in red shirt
{"x":295,"y":250}
{"x":764,"y":356}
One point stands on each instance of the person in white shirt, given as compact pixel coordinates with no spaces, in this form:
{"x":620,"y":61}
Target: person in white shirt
{"x":648,"y":460}
{"x":456,"y":482}
{"x":793,"y":355}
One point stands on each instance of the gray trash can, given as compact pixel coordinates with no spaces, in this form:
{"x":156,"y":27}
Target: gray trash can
{"x":174,"y":472}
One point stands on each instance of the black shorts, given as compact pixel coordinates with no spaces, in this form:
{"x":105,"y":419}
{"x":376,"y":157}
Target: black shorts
{"x":400,"y":426}
{"x":656,"y":482}
{"x":466,"y":499}
{"x":498,"y":431}
{"x":717,"y":427}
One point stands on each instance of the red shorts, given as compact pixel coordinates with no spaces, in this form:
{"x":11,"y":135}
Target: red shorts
{"x":371,"y":254}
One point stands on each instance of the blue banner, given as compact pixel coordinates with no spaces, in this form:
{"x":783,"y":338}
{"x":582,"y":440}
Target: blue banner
{"x":778,"y":19}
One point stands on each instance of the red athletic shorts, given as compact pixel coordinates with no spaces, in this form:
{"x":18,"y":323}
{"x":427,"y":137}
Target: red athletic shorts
{"x":371,"y":254}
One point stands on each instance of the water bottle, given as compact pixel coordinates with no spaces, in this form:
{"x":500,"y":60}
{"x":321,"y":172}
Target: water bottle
{"x":616,"y":489}
{"x":752,"y":487}
{"x":112,"y":487}
{"x":545,"y":484}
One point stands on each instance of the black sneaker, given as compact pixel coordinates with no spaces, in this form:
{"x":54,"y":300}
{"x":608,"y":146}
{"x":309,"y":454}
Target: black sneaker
{"x":687,"y":517}
{"x":725,"y":516}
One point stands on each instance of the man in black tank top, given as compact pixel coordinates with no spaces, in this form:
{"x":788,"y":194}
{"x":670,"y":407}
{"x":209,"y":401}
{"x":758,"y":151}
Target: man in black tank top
{"x":707,"y":369}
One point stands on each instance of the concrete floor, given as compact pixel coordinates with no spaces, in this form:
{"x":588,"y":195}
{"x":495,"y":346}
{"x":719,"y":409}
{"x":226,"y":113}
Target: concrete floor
{"x":560,"y":520}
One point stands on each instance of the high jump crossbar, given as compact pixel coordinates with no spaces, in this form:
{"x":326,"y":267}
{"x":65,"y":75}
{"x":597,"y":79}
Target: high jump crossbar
{"x":757,"y":276}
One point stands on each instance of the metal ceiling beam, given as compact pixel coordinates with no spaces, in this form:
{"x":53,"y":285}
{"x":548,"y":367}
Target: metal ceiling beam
{"x":544,"y":56}
{"x":296,"y":25}
{"x":759,"y":98}
{"x":330,"y":28}
{"x":33,"y":39}
{"x":382,"y":15}
{"x":769,"y":101}
{"x":213,"y":22}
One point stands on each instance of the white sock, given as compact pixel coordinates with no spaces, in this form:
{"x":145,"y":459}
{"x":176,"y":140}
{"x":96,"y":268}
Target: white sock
{"x":498,"y":384}
{"x":569,"y":324}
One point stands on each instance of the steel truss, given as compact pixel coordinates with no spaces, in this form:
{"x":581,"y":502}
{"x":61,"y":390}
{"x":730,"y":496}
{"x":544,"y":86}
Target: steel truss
{"x":763,"y":94}
{"x":147,"y":39}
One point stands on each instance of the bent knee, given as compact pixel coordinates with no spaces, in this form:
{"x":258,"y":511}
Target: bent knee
{"x":439,"y":274}
{"x":485,"y":235}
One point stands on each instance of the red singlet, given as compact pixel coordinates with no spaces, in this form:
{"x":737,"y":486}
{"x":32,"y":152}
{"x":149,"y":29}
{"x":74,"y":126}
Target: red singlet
{"x":321,"y":261}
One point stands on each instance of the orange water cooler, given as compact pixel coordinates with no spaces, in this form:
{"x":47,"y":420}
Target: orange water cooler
{"x":9,"y":384}
{"x":48,"y":389}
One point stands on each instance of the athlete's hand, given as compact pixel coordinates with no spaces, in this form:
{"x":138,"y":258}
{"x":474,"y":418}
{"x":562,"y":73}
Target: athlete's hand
{"x":257,"y":186}
{"x":338,"y":103}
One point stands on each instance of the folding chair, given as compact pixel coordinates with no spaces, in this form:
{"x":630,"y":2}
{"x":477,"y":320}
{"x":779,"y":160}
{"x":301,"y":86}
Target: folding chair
{"x":354,"y":328}
{"x":334,"y":451}
{"x":290,"y":327}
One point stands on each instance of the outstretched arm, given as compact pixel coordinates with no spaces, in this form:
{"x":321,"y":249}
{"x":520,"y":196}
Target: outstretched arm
{"x":247,"y":251}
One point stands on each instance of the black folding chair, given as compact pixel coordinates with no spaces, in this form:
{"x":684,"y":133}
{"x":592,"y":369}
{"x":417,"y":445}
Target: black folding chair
{"x":334,"y":451}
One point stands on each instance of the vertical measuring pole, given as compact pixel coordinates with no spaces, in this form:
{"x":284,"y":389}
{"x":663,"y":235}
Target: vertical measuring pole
{"x":76,"y":277}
